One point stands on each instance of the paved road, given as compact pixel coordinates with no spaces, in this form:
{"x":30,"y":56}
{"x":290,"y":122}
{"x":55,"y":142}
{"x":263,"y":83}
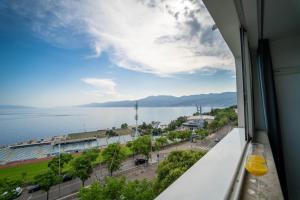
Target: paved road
{"x":210,"y":141}
{"x":128,"y":166}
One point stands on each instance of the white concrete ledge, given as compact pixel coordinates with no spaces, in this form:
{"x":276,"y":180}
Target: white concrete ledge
{"x":212,"y":176}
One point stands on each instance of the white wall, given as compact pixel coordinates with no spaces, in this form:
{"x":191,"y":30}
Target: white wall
{"x":285,"y":55}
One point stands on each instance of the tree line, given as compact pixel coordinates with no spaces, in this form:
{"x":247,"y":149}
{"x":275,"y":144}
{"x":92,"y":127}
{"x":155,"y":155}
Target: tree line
{"x":118,"y":188}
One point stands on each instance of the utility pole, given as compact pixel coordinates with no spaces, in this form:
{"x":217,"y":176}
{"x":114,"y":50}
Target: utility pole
{"x":199,"y":111}
{"x":136,"y":119}
{"x":59,"y":172}
{"x":151,"y":150}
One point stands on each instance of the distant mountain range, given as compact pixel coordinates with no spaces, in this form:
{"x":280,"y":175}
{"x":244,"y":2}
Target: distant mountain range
{"x":213,"y":99}
{"x":224,"y":99}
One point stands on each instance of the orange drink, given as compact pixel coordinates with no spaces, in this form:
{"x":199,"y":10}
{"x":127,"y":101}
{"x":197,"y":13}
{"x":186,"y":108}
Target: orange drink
{"x":256,"y":168}
{"x":256,"y":164}
{"x":256,"y":159}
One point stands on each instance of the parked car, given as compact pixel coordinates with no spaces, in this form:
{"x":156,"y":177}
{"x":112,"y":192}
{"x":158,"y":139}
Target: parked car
{"x":140,"y":161}
{"x":217,"y":140}
{"x":33,"y":188}
{"x":66,"y":178}
{"x":19,"y":191}
{"x":16,"y":192}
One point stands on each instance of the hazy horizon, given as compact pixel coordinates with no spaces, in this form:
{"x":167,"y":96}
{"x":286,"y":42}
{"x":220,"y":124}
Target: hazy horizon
{"x":33,"y":106}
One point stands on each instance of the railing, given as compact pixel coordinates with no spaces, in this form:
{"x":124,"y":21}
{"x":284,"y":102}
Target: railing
{"x":213,"y":176}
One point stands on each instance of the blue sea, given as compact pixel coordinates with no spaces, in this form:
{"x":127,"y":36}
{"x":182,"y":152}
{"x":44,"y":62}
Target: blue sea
{"x":18,"y":125}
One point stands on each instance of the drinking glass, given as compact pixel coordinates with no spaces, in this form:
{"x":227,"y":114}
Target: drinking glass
{"x":256,"y":164}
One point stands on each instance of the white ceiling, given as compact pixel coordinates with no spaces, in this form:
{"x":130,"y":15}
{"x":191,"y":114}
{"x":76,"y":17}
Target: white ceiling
{"x":281,"y":18}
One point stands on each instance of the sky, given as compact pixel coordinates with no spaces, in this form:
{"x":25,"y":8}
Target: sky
{"x":66,"y":52}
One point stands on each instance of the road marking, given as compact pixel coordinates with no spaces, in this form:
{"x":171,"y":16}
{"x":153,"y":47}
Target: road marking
{"x":70,"y":195}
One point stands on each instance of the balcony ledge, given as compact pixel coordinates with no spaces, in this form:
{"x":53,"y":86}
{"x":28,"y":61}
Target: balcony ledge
{"x":214,"y":174}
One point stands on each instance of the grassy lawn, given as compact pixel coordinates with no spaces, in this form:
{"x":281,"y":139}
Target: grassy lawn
{"x":32,"y":169}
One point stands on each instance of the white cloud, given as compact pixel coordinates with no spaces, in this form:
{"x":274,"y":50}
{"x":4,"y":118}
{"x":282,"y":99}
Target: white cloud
{"x":160,"y":37}
{"x":103,"y":90}
{"x":102,"y":86}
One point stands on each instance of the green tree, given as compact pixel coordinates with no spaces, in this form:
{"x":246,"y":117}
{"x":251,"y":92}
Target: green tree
{"x":222,"y":122}
{"x":137,"y":190}
{"x":156,"y":131}
{"x":145,"y":126}
{"x":94,"y":192}
{"x":82,"y":167}
{"x":112,"y":189}
{"x":110,"y":133}
{"x":24,"y":176}
{"x":174,"y":166}
{"x":129,"y":144}
{"x":54,"y":163}
{"x":172,"y":135}
{"x":46,"y":181}
{"x":145,"y":129}
{"x":125,"y":125}
{"x":7,"y":188}
{"x":176,"y":123}
{"x":196,"y":114}
{"x":213,"y":126}
{"x":91,"y":154}
{"x":222,"y":118}
{"x":183,"y":135}
{"x":113,"y":155}
{"x":205,"y":124}
{"x":142,"y":145}
{"x":160,"y":142}
{"x":202,"y":133}
{"x":118,"y":189}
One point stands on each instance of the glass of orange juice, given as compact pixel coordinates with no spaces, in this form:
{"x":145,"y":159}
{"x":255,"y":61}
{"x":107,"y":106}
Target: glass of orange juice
{"x":256,"y":164}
